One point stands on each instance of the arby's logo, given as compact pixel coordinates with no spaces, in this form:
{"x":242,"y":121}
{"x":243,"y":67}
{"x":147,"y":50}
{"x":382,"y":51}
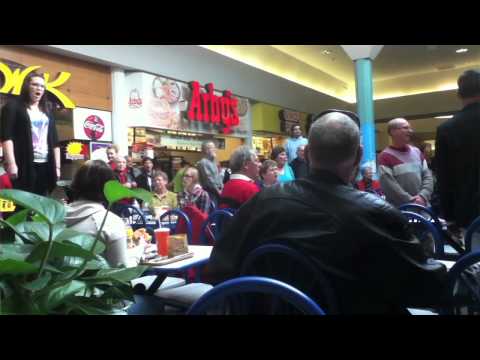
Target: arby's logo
{"x":94,"y":127}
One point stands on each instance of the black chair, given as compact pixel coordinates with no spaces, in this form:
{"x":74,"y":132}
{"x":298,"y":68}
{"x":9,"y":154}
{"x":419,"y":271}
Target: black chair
{"x":471,"y":241}
{"x":292,"y":267}
{"x":241,"y":296}
{"x":464,"y":285}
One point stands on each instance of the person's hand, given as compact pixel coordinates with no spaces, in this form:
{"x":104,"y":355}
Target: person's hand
{"x":420,"y":200}
{"x":12,"y":171}
{"x":128,"y":185}
{"x":134,"y":184}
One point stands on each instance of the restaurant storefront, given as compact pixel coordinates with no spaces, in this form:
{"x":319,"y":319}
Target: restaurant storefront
{"x":169,"y":119}
{"x":271,"y":127}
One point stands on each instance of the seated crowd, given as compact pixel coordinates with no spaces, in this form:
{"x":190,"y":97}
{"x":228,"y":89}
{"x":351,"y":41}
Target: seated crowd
{"x":312,"y":196}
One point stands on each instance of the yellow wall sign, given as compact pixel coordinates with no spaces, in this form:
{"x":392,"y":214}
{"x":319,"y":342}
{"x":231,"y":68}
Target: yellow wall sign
{"x":6,"y":205}
{"x":75,"y":151}
{"x":14,"y":81}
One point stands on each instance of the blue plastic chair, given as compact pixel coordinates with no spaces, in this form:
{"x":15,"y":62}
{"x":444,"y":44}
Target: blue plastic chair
{"x":451,"y":251}
{"x":428,"y":228}
{"x":234,"y":297}
{"x":427,"y":213}
{"x":231,"y":210}
{"x":135,"y":217}
{"x":214,"y":225}
{"x":463,"y":276}
{"x":173,"y":225}
{"x":292,"y":267}
{"x":472,"y":229}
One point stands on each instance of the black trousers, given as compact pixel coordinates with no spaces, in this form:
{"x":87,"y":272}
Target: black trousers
{"x":40,"y":178}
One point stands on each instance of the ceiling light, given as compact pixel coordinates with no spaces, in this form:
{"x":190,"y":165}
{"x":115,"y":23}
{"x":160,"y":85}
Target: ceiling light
{"x":326,"y":52}
{"x":459,"y":51}
{"x":444,"y":117}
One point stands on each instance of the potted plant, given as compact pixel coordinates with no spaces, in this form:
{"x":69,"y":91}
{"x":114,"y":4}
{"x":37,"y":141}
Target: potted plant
{"x":46,"y":268}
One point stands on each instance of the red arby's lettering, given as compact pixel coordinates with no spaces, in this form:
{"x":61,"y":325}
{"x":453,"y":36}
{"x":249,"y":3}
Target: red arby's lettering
{"x":218,"y":110}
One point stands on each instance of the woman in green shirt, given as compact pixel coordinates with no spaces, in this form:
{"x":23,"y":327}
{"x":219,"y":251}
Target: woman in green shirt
{"x":163,"y":199}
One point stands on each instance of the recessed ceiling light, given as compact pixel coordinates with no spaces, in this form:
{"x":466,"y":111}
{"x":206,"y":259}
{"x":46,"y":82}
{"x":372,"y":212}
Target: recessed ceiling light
{"x":444,"y":117}
{"x":459,"y":51}
{"x":326,"y":52}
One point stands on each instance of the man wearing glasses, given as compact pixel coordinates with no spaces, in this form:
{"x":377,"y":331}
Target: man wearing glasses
{"x":404,"y":173}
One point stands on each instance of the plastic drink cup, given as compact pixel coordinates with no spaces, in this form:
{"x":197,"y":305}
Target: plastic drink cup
{"x":161,"y":238}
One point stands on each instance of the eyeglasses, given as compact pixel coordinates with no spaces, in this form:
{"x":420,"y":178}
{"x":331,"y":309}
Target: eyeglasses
{"x":188,"y":176}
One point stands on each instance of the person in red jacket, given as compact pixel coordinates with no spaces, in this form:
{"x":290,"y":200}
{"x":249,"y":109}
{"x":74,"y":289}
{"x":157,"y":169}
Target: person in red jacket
{"x":241,"y":187}
{"x":5,"y":183}
{"x":367,"y":183}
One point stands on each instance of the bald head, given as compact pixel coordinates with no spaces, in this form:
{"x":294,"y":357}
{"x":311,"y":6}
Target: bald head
{"x":334,"y":139}
{"x":395,"y":124}
{"x":400,"y":131}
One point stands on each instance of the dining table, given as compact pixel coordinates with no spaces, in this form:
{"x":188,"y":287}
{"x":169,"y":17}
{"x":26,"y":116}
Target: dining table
{"x":201,"y":256}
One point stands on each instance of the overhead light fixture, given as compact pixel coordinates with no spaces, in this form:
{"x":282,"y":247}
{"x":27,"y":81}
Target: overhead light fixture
{"x":459,"y":51}
{"x":326,"y":52}
{"x":444,"y":117}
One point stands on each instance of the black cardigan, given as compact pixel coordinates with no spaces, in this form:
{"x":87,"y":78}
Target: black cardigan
{"x":15,"y":125}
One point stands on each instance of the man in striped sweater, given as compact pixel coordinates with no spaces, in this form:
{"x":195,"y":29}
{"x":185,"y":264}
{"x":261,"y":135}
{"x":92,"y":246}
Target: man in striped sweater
{"x":404,"y":173}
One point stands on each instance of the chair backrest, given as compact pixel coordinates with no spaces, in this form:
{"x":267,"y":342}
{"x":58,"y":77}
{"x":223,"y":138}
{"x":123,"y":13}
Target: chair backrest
{"x":213,"y":226}
{"x":427,"y":213}
{"x":427,"y":233}
{"x":472,"y":236}
{"x":240,"y":297}
{"x":292,"y":267}
{"x":230,"y":210}
{"x":134,"y":216}
{"x":179,"y":214}
{"x":464,"y":284}
{"x":445,"y":237}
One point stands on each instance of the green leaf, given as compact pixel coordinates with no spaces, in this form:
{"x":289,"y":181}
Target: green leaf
{"x":18,"y":217}
{"x":88,"y":306}
{"x":38,"y":284}
{"x":114,"y":191}
{"x":85,"y":241}
{"x":119,"y":292}
{"x":5,"y":290}
{"x":15,"y":251}
{"x":142,"y":194}
{"x":98,"y":263}
{"x":55,"y":297}
{"x":59,"y":250}
{"x":42,"y":230}
{"x":122,"y":275}
{"x":16,"y":267}
{"x":19,"y":304}
{"x":17,"y":230}
{"x":51,"y":210}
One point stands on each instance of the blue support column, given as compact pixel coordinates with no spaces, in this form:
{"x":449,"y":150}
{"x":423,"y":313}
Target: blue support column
{"x":364,"y":89}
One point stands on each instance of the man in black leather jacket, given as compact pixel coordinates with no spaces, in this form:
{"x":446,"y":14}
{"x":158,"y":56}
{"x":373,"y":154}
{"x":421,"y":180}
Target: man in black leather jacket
{"x":358,"y":240}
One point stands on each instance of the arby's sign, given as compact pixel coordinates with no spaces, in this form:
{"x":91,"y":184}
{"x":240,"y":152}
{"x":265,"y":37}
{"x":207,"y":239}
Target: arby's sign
{"x":210,"y":108}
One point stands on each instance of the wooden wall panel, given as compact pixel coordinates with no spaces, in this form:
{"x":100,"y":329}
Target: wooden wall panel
{"x":89,"y":86}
